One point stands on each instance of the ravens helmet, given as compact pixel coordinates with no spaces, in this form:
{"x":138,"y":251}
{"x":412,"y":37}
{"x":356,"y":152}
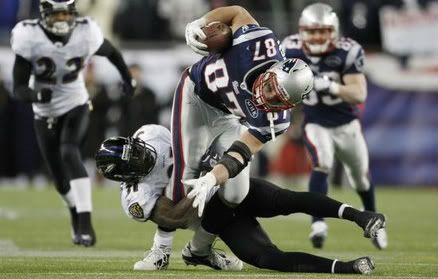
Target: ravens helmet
{"x":283,"y":85}
{"x":53,"y":21}
{"x":318,"y":28}
{"x":125,"y":159}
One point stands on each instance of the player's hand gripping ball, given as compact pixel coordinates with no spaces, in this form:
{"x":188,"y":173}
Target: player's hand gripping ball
{"x":219,"y":36}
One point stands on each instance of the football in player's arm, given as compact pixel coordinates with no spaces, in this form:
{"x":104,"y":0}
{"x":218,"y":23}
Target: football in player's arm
{"x":331,"y":116}
{"x":54,"y":50}
{"x":141,"y":162}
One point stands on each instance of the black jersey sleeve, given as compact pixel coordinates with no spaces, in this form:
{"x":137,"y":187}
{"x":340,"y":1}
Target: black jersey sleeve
{"x":108,"y":50}
{"x":21,"y":74}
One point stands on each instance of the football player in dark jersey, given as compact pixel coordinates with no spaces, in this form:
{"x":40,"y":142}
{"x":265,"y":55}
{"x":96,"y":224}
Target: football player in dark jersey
{"x":244,"y":93}
{"x":331,"y":125}
{"x":120,"y":159}
{"x":54,"y":49}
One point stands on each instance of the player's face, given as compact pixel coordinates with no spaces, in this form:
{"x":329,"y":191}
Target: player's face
{"x":60,"y":16}
{"x":269,"y":92}
{"x":317,"y":35}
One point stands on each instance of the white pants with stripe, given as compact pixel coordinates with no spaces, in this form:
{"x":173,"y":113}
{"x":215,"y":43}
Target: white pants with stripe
{"x":347,"y":143}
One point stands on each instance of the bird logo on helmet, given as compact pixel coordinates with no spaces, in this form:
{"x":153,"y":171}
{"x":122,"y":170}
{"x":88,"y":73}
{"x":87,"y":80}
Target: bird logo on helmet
{"x":125,"y":159}
{"x":283,"y":85}
{"x":318,"y":28}
{"x":58,"y":16}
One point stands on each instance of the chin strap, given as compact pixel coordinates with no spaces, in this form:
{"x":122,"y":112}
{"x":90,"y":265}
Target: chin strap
{"x":271,"y":124}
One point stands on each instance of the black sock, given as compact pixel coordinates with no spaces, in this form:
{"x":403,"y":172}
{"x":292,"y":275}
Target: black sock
{"x":368,"y":198}
{"x":344,"y":267}
{"x":359,"y":217}
{"x":84,"y":222}
{"x":74,"y":220}
{"x":318,"y":184}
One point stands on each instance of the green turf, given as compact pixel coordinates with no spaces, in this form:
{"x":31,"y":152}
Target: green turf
{"x":35,"y":241}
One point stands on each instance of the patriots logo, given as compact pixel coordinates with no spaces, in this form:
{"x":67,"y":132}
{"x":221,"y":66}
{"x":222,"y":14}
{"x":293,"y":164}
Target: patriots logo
{"x":288,"y":65}
{"x":136,"y":210}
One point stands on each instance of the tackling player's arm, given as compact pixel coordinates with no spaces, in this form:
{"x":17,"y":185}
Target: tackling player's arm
{"x":173,"y":216}
{"x":115,"y":57}
{"x":21,"y":73}
{"x":354,"y":89}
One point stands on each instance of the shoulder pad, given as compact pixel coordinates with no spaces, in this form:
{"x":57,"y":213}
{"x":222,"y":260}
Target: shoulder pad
{"x":292,"y":41}
{"x":92,"y":32}
{"x":22,"y":36}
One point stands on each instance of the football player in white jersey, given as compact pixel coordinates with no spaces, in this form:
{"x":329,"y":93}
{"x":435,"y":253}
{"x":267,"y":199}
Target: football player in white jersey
{"x":53,"y":50}
{"x":331,"y":116}
{"x":143,"y":163}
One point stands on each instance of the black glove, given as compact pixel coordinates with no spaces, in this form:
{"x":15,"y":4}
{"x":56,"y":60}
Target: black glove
{"x":129,"y":88}
{"x":43,"y":96}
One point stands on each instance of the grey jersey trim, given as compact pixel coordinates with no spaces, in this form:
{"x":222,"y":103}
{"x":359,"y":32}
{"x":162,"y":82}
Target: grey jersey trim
{"x":250,"y":36}
{"x":351,"y":56}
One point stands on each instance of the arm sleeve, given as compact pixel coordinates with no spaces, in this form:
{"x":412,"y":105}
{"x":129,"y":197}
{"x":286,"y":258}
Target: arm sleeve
{"x":116,"y":58}
{"x":21,"y":74}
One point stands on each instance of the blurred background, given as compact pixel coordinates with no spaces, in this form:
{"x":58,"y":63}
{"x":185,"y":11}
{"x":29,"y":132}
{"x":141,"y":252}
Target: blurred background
{"x":400,"y":117}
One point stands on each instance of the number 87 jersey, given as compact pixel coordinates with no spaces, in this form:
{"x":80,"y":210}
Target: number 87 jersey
{"x":55,"y":65}
{"x":225,"y":80}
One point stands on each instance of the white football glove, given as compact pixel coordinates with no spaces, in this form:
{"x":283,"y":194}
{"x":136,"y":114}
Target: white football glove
{"x":200,"y":189}
{"x":323,"y":83}
{"x":193,"y":32}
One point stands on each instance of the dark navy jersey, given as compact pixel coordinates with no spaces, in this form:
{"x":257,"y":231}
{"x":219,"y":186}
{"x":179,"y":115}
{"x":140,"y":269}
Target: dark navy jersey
{"x":225,"y":80}
{"x":347,"y":58}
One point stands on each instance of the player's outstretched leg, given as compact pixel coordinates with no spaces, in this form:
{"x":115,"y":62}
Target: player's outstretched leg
{"x":215,"y":259}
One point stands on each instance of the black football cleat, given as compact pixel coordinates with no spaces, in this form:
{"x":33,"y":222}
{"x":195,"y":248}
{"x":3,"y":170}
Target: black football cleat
{"x":376,"y":221}
{"x":363,"y":265}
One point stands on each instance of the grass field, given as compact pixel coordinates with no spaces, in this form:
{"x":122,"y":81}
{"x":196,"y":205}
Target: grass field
{"x":35,"y":239}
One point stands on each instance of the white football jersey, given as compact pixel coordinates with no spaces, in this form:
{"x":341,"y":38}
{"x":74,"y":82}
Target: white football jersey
{"x":57,"y":66}
{"x":139,"y":201}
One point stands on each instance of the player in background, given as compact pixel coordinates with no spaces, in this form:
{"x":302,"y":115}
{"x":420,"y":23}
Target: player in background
{"x":53,"y":50}
{"x":245,"y":94}
{"x":143,"y":164}
{"x":331,"y":117}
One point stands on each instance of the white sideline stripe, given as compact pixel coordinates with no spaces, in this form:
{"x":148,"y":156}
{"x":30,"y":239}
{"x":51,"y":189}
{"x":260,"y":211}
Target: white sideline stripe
{"x":8,"y":214}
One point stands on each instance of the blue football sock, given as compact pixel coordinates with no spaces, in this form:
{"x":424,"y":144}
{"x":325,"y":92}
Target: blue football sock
{"x":318,"y":184}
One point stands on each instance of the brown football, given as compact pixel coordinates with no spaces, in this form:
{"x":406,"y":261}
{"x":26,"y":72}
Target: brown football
{"x":219,"y":36}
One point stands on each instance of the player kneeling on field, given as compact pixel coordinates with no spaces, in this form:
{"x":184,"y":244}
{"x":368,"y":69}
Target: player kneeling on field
{"x":142,"y":163}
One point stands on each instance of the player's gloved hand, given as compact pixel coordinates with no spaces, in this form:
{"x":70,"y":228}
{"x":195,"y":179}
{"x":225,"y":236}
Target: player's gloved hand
{"x":128,"y":88}
{"x":200,"y":189}
{"x":43,"y":96}
{"x":193,"y":33}
{"x":322,"y":83}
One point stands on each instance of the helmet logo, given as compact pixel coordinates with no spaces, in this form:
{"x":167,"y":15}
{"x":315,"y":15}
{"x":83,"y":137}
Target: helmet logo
{"x":288,"y":65}
{"x":109,"y":168}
